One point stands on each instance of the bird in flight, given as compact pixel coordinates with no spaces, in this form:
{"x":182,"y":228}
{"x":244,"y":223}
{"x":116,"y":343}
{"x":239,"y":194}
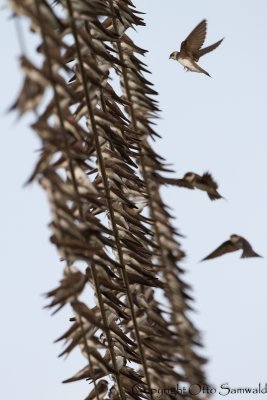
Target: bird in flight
{"x":204,"y":182}
{"x":235,"y":243}
{"x":191,"y":51}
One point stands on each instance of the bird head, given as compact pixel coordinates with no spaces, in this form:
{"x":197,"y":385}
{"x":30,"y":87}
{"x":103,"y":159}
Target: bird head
{"x":189,"y":176}
{"x":174,"y":55}
{"x":234,"y":238}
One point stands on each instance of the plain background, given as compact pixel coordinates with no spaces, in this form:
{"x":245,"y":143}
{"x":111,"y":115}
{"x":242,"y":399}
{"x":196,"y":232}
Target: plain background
{"x":216,"y":124}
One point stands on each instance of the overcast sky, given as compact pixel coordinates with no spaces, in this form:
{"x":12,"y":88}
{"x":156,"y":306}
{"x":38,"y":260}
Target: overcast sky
{"x":216,"y":124}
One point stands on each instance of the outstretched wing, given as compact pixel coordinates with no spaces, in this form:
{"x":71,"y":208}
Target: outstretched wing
{"x":182,"y":183}
{"x":248,"y":250}
{"x":226,"y":247}
{"x":196,"y":38}
{"x":168,"y":181}
{"x":207,"y":49}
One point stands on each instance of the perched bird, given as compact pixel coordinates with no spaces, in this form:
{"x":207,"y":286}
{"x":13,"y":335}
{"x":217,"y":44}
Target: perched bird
{"x":113,"y":393}
{"x":204,"y":182}
{"x":101,"y":389}
{"x":235,"y":243}
{"x":190,"y":50}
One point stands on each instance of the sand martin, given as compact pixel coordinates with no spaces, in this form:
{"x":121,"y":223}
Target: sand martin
{"x":99,"y":392}
{"x":235,"y":243}
{"x":204,"y":182}
{"x":190,"y":50}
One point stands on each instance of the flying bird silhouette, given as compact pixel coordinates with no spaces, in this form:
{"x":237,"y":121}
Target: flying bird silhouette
{"x":205,"y":182}
{"x":191,"y":51}
{"x":235,"y":243}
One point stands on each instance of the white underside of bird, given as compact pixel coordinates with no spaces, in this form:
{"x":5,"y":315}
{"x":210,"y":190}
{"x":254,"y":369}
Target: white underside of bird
{"x":188,"y":64}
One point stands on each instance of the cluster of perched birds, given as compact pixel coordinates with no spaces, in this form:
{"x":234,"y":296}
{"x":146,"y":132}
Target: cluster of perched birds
{"x":190,"y":52}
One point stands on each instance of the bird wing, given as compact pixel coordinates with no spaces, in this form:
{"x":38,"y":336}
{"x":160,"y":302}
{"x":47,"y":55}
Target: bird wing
{"x":248,"y":250}
{"x":225,"y":247}
{"x":196,"y":38}
{"x":208,"y":49}
{"x":183,"y":183}
{"x":207,"y":179}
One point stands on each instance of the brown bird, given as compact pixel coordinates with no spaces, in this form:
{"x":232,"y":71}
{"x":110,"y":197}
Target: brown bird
{"x":205,"y":182}
{"x":235,"y":243}
{"x":101,"y":389}
{"x":190,"y":50}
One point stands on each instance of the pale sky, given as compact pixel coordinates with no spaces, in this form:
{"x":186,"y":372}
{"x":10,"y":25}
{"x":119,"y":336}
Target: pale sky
{"x":216,"y":124}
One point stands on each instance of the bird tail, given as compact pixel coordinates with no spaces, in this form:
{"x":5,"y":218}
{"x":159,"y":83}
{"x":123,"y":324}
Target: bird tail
{"x":247,"y":253}
{"x":203,"y":71}
{"x":215,"y":196}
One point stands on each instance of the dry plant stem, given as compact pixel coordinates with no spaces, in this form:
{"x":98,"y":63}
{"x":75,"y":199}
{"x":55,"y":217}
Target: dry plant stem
{"x":104,"y":108}
{"x":122,"y":60}
{"x":109,"y":202}
{"x":140,"y":346}
{"x":102,"y":167}
{"x":70,"y":165}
